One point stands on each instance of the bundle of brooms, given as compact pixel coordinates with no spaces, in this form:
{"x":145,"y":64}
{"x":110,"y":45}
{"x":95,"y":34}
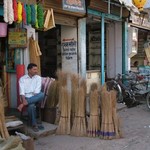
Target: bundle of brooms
{"x":94,"y":120}
{"x":79,"y":123}
{"x":110,"y":126}
{"x":64,"y":122}
{"x":74,"y":94}
{"x":64,"y":105}
{"x":61,"y":82}
{"x":53,"y":95}
{"x":3,"y":130}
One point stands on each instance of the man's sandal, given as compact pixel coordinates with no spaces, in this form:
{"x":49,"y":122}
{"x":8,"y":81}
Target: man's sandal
{"x":35,"y":128}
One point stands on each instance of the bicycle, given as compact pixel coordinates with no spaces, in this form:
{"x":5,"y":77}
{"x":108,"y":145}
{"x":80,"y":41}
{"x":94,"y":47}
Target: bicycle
{"x":124,"y":93}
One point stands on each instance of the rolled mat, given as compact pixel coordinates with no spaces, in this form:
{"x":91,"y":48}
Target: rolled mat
{"x":20,"y":71}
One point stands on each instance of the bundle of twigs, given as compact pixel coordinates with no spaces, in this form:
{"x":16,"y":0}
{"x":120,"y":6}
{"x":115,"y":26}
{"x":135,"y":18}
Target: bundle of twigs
{"x":62,"y":82}
{"x":3,"y":93}
{"x":3,"y":130}
{"x":74,"y":95}
{"x":79,"y":123}
{"x":53,"y":95}
{"x":110,"y":123}
{"x":94,"y":121}
{"x":64,"y":122}
{"x":62,"y":78}
{"x":116,"y":119}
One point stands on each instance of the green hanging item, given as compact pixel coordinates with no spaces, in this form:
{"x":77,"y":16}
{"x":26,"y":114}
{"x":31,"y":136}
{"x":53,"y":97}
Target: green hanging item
{"x":28,"y":11}
{"x":36,"y":19}
{"x":40,"y":16}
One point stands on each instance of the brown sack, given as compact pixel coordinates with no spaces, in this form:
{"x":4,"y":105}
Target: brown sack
{"x":49,"y":22}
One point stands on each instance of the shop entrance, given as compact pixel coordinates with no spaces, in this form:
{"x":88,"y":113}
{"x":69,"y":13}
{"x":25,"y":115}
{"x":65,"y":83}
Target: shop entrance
{"x":141,"y":57}
{"x":50,"y":44}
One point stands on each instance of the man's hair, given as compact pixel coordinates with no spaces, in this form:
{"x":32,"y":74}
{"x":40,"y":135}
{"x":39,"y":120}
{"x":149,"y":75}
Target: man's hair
{"x":31,"y":65}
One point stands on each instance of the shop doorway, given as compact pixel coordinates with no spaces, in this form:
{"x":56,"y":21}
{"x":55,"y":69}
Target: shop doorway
{"x":50,"y":45}
{"x":140,"y":57}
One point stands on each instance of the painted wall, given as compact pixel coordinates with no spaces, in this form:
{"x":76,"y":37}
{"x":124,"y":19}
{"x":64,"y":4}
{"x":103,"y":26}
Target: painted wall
{"x":24,"y":60}
{"x":114,"y":49}
{"x":69,"y":49}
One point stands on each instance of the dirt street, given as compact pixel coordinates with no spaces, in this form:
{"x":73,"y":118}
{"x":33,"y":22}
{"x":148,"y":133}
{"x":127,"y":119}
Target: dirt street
{"x":136,"y":135}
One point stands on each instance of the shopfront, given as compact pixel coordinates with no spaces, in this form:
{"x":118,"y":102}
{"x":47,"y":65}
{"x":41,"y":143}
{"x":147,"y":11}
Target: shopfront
{"x":59,"y":46}
{"x":138,"y":43}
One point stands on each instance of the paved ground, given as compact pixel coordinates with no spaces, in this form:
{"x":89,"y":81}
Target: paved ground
{"x":136,"y":131}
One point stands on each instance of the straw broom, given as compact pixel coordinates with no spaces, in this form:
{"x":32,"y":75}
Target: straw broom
{"x":110,"y":121}
{"x":62,"y":78}
{"x":79,"y":125}
{"x":63,"y":123}
{"x":74,"y":95}
{"x":3,"y":129}
{"x":69,"y":113}
{"x":62,"y":82}
{"x":116,"y":120}
{"x":52,"y":97}
{"x":94,"y":123}
{"x":74,"y":124}
{"x":107,"y":127}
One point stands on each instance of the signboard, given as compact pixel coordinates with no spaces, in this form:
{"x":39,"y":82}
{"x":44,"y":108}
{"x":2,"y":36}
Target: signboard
{"x":74,"y":5}
{"x":17,"y":38}
{"x":69,"y":47}
{"x":140,"y":20}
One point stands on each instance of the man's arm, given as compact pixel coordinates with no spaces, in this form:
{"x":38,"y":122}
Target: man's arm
{"x":22,"y":91}
{"x":38,"y":85}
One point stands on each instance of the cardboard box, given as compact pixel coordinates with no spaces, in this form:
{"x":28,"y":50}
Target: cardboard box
{"x":28,"y":144}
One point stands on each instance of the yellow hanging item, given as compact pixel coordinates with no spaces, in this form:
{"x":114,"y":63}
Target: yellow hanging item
{"x":19,"y":12}
{"x":139,"y":4}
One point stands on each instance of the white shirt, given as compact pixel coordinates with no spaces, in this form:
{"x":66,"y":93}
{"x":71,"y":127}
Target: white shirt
{"x":29,"y":86}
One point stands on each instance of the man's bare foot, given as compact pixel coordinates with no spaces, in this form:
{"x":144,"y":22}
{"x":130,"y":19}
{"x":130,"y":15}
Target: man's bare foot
{"x":20,"y":107}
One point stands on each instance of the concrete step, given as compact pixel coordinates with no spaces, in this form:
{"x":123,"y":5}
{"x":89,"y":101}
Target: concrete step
{"x":48,"y":130}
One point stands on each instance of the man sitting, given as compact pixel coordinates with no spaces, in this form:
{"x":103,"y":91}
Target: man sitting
{"x":30,"y":93}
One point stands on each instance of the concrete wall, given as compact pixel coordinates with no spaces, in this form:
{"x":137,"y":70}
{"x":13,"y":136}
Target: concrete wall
{"x":69,"y":49}
{"x":114,"y":49}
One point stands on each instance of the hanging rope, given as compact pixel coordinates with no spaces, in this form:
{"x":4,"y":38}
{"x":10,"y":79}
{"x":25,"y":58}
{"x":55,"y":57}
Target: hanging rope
{"x":10,"y":11}
{"x":36,"y":20}
{"x":28,"y":11}
{"x":19,"y":12}
{"x":40,"y":15}
{"x":33,"y":15}
{"x":5,"y":11}
{"x":15,"y":8}
{"x":24,"y":14}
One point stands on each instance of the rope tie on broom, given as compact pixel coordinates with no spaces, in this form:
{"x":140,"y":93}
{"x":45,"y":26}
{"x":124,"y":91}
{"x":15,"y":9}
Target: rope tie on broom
{"x":93,"y":115}
{"x":64,"y":116}
{"x":107,"y":133}
{"x":80,"y":116}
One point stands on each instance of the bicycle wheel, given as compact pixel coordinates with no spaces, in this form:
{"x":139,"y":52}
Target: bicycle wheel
{"x":148,"y":100}
{"x":119,"y":94}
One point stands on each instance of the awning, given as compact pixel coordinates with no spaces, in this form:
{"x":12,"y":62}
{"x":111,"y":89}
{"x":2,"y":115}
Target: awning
{"x":129,"y":5}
